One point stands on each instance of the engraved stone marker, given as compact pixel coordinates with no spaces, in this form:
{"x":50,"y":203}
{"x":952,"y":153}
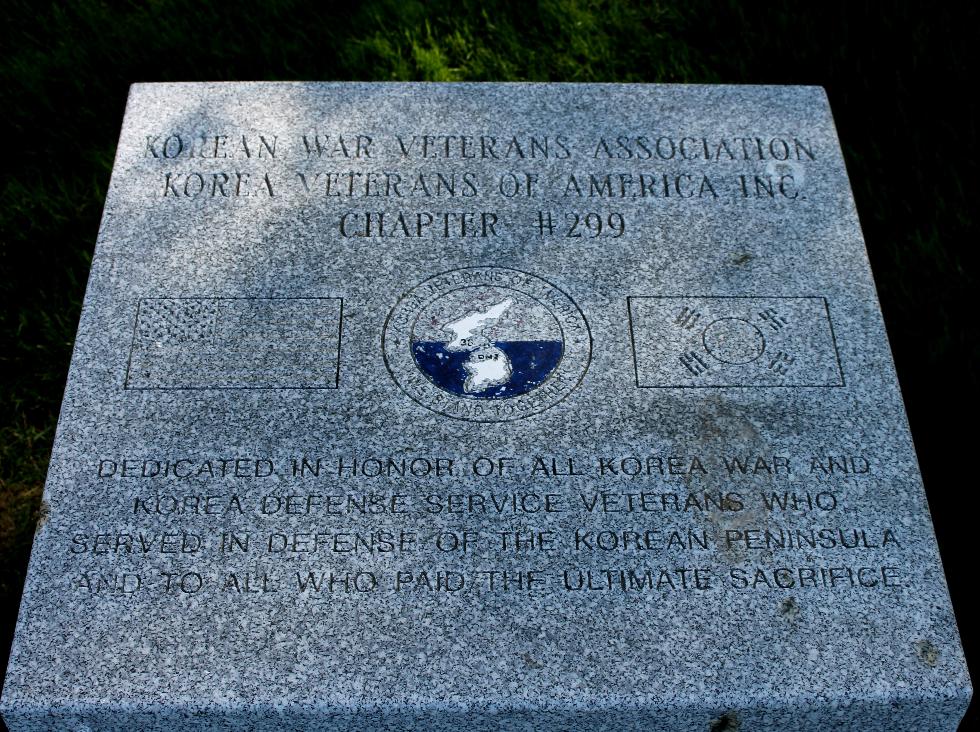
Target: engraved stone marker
{"x":482,"y":406}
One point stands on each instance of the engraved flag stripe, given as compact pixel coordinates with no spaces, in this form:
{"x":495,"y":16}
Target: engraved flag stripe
{"x":235,"y":343}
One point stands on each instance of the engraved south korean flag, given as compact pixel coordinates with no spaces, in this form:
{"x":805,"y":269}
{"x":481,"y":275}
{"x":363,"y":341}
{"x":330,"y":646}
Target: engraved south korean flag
{"x":697,"y":341}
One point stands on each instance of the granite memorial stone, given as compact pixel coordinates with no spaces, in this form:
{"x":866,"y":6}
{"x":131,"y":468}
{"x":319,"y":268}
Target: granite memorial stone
{"x":482,"y":407}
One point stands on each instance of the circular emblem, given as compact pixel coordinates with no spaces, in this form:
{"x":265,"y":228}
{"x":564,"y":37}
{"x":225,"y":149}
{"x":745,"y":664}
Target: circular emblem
{"x":486,"y":344}
{"x":734,"y":341}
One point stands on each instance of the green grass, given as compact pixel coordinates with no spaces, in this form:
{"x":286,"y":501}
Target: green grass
{"x":66,"y":68}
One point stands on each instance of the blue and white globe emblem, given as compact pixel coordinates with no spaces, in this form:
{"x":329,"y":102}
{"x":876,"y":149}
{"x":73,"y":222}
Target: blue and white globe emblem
{"x":489,"y":344}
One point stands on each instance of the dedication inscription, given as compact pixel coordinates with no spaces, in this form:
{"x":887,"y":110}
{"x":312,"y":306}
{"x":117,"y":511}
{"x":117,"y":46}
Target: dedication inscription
{"x":482,"y":406}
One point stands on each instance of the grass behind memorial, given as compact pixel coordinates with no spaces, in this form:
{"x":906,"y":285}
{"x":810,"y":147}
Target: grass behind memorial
{"x":911,"y":151}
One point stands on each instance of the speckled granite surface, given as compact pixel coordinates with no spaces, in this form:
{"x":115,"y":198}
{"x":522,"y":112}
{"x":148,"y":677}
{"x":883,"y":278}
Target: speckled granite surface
{"x":516,"y":407}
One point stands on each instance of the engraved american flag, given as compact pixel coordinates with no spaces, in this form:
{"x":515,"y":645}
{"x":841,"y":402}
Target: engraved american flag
{"x":235,"y":343}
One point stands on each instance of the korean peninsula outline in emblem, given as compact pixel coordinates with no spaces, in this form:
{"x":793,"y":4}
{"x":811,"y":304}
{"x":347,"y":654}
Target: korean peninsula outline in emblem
{"x":486,"y":344}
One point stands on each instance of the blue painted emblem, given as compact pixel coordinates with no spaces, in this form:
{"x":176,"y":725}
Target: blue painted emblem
{"x":486,"y":344}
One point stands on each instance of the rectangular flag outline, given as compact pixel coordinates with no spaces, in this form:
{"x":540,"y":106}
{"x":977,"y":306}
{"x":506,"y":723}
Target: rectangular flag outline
{"x":826,"y":311}
{"x":128,"y":380}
